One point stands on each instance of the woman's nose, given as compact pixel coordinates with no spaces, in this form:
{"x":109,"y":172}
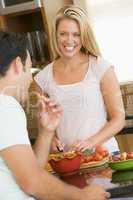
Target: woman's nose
{"x":70,"y":38}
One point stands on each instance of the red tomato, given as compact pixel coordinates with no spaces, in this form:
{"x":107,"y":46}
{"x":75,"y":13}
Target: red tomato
{"x":105,"y":153}
{"x":102,"y":150}
{"x":97,"y":157}
{"x":85,"y":160}
{"x":78,"y":152}
{"x":89,"y":158}
{"x":130,"y":155}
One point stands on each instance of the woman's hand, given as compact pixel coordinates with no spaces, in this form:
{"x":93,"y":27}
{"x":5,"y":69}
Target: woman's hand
{"x":81,"y":145}
{"x":49,"y":114}
{"x":56,"y":145}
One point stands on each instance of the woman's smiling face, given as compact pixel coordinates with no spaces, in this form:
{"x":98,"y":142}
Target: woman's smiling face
{"x":69,"y":37}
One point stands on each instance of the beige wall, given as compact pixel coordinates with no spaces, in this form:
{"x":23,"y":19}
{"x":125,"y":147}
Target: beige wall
{"x":85,"y":5}
{"x":81,"y":3}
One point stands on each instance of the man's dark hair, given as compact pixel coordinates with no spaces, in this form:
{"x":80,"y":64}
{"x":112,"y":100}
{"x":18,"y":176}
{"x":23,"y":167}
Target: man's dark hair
{"x":12,"y":45}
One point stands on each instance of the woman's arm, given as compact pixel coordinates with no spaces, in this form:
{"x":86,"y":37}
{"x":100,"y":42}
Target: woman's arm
{"x":114,"y":105}
{"x":113,"y":101}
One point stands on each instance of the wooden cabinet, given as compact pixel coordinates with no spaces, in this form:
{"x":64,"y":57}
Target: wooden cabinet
{"x":39,"y":19}
{"x":2,"y":22}
{"x":34,"y":25}
{"x":125,"y":142}
{"x":126,"y":137}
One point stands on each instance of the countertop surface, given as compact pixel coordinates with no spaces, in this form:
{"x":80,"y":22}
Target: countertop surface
{"x":120,"y":183}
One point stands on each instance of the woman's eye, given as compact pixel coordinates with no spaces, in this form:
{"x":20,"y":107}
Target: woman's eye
{"x":77,"y":35}
{"x":62,"y":34}
{"x":67,"y":34}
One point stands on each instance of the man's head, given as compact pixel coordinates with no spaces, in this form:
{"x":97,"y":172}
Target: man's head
{"x":15,"y":63}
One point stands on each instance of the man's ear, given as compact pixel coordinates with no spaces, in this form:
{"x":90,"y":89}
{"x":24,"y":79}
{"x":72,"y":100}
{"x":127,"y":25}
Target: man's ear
{"x":17,"y":65}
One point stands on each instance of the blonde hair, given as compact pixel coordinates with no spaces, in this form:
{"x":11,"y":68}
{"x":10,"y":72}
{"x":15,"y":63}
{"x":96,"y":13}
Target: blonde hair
{"x":89,"y":44}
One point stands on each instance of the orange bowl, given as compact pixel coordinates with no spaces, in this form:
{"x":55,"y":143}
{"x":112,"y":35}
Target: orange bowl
{"x":66,"y":162}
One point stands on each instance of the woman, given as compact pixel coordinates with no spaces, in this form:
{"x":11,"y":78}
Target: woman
{"x":83,"y":83}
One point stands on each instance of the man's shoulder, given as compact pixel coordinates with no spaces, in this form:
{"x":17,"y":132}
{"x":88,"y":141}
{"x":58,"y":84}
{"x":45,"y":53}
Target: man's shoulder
{"x":5,"y":99}
{"x":9,"y":104}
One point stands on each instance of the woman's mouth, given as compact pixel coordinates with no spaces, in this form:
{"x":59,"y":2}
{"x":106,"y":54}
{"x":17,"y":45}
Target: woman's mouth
{"x":69,"y":48}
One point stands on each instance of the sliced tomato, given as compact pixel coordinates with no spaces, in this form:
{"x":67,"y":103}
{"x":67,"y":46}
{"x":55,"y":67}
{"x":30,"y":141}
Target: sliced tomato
{"x":100,"y":148}
{"x":97,"y":157}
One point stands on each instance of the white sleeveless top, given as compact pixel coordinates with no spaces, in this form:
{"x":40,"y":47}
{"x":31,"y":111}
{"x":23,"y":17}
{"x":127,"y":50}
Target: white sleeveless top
{"x":84,"y":110}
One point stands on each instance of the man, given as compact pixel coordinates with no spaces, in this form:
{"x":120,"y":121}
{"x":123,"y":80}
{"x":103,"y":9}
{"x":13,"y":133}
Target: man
{"x":21,"y":176}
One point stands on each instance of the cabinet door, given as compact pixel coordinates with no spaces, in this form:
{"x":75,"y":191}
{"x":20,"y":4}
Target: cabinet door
{"x":2,"y":22}
{"x":125,"y":142}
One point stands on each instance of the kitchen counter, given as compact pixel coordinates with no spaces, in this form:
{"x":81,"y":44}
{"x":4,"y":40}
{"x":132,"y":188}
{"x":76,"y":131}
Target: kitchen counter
{"x":120,"y":184}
